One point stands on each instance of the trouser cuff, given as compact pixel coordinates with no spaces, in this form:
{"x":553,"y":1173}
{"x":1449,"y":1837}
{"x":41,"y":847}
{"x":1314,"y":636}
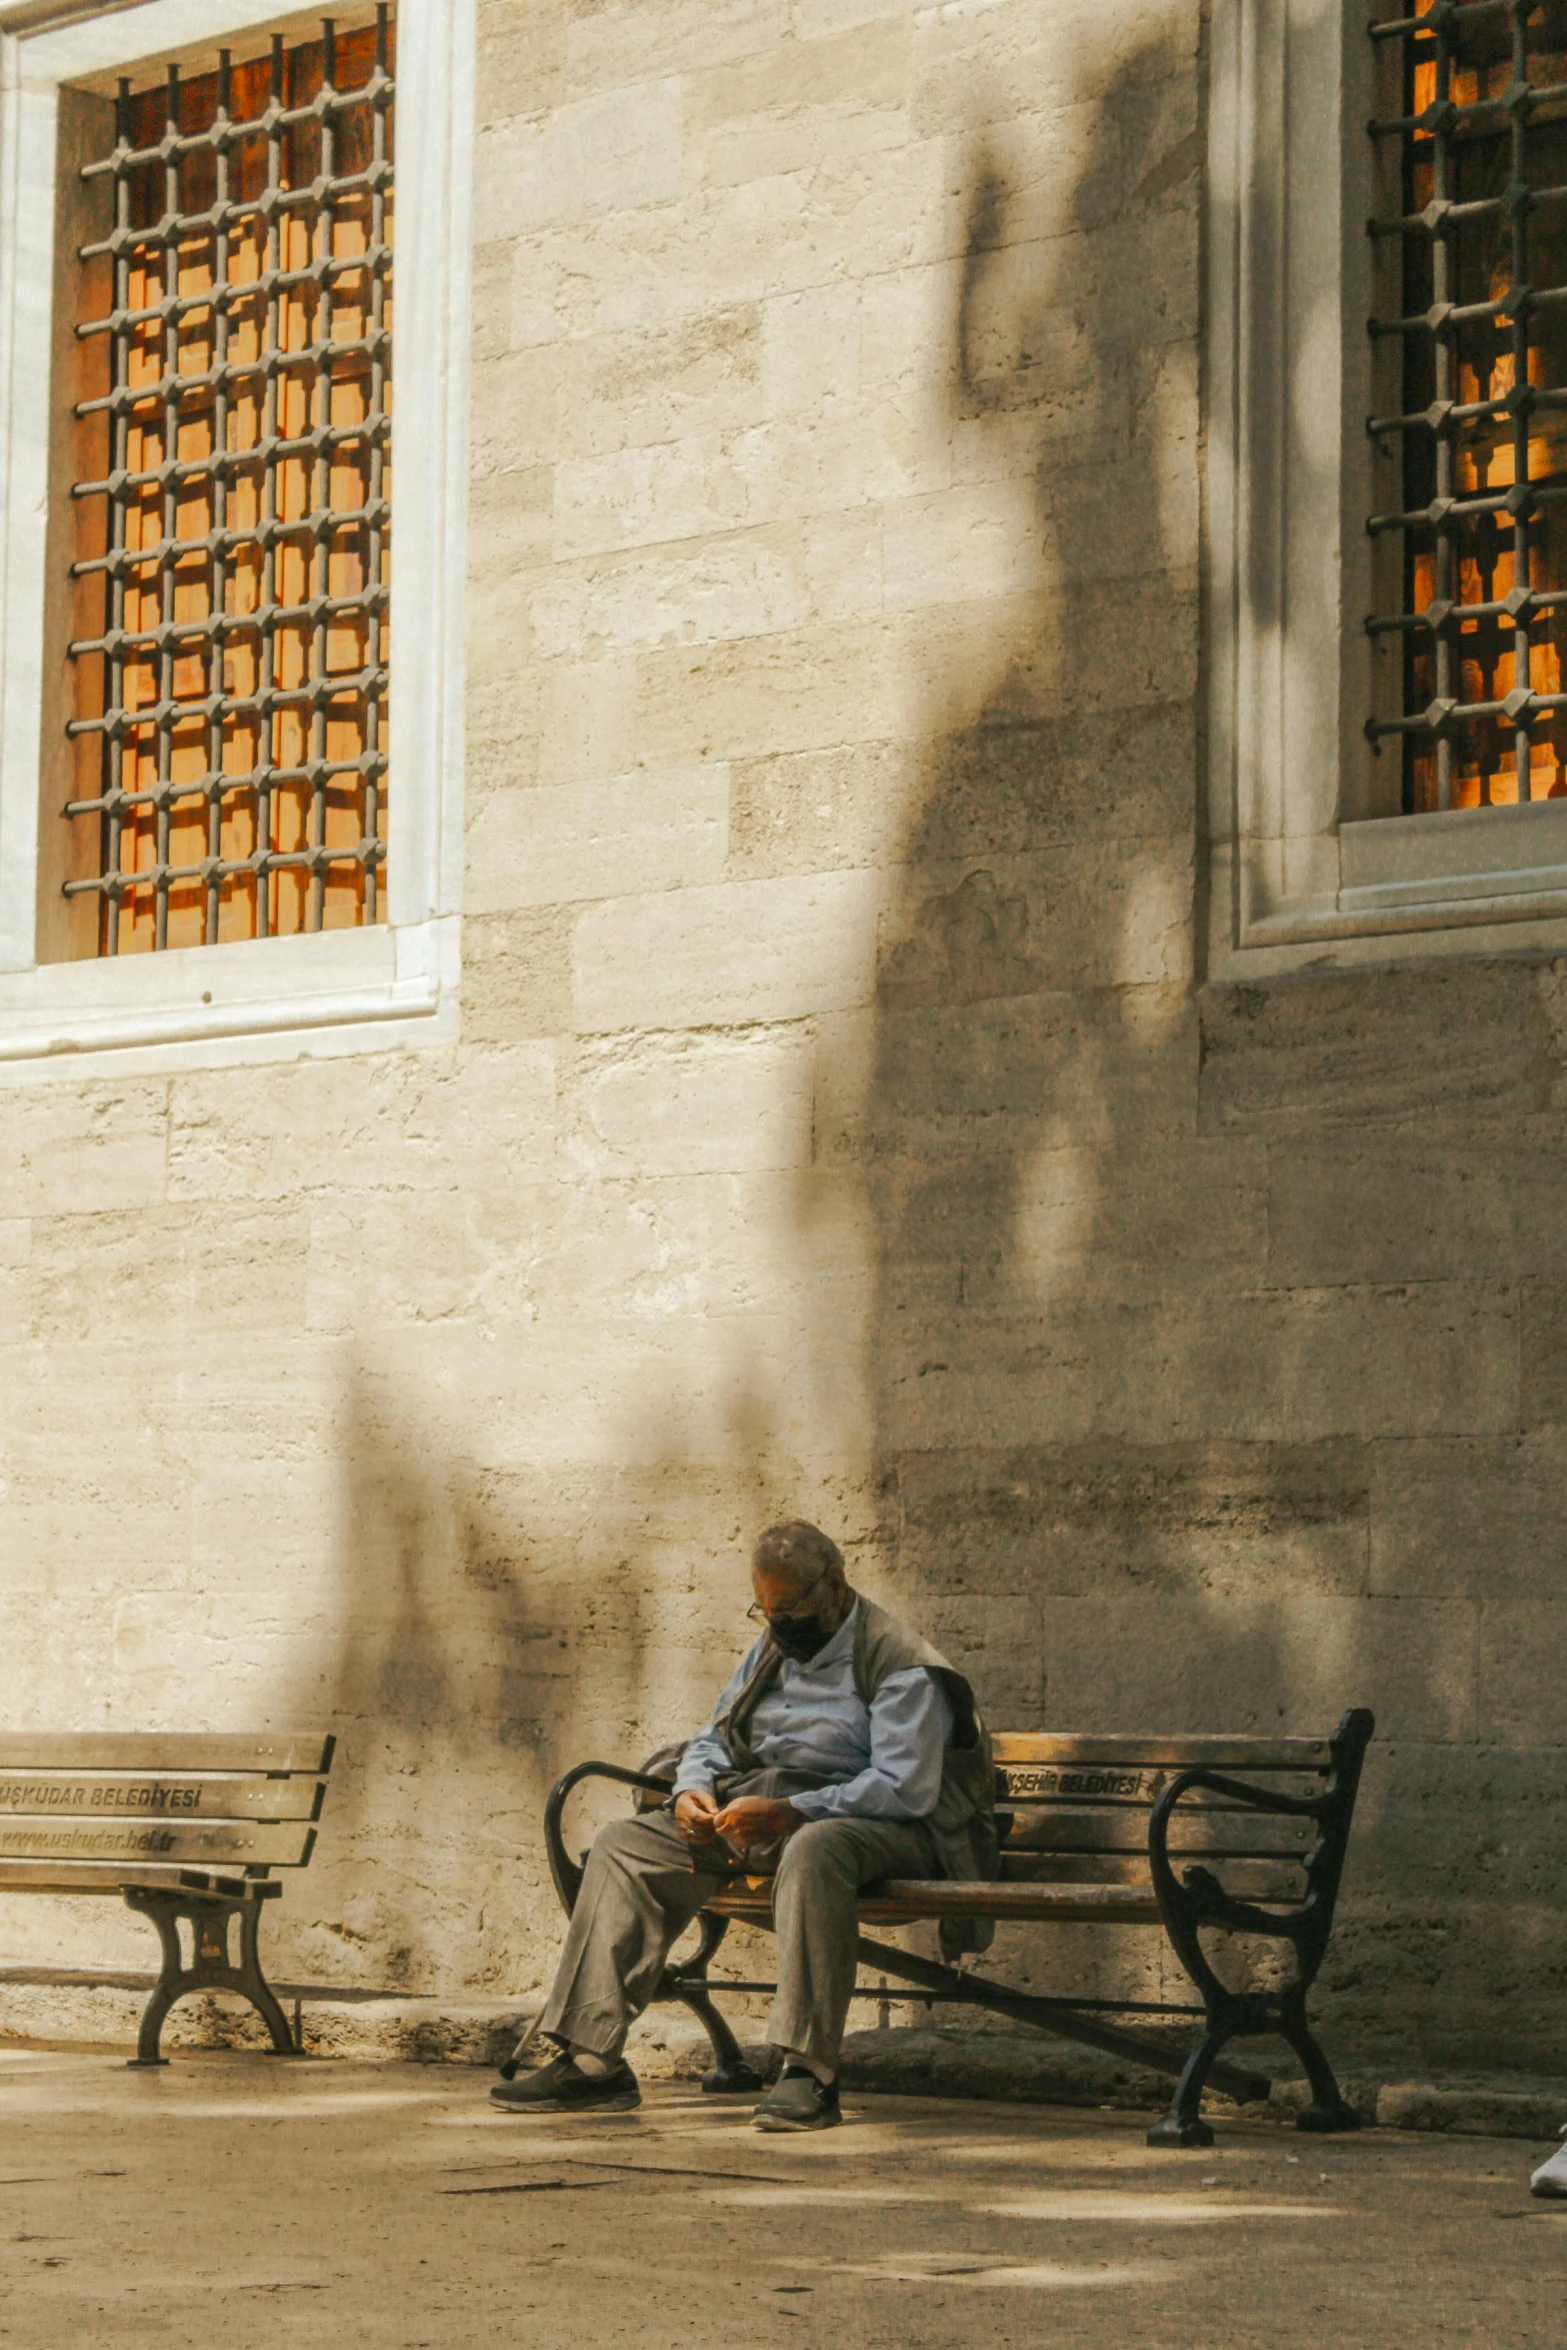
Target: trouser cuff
{"x":592,"y":2028}
{"x":807,"y":2040}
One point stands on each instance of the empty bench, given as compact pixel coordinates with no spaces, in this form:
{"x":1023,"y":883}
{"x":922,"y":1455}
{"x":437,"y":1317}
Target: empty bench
{"x":188,"y":1829}
{"x":1181,"y":1834}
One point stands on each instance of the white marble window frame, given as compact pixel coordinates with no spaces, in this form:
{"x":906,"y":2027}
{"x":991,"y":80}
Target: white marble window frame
{"x":1306,"y":868}
{"x":245,"y":999}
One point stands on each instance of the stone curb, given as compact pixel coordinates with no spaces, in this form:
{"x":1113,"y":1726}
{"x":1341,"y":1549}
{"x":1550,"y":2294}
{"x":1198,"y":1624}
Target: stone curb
{"x":1006,"y":2067}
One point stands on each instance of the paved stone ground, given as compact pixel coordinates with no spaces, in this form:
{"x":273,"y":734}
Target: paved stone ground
{"x":231,"y":2198}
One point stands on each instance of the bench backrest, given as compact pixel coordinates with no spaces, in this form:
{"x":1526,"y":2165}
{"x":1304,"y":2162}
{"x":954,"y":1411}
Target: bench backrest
{"x":1076,"y":1808}
{"x":160,"y":1799}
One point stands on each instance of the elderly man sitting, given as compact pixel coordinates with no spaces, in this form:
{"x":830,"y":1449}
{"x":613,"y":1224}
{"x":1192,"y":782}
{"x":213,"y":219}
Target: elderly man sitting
{"x":843,"y":1749}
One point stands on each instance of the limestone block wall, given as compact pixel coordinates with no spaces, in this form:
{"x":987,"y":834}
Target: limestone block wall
{"x":839,"y":1123}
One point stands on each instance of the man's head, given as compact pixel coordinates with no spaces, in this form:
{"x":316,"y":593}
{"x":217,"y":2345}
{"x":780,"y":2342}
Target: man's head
{"x":800,"y":1586}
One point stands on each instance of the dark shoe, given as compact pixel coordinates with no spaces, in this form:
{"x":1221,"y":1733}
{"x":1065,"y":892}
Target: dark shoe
{"x":561,"y":2088}
{"x":797,"y":2100}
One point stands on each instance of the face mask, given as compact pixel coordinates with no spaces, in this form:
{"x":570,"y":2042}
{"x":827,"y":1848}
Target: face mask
{"x":800,"y":1639}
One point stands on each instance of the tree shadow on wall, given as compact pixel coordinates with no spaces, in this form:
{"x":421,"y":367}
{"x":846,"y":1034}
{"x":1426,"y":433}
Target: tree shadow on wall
{"x":1079,"y":1369}
{"x":471,"y":1661}
{"x":494,"y":1626}
{"x":1076,"y":1362}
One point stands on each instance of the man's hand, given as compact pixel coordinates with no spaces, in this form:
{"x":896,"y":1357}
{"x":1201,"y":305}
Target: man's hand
{"x":756,"y":1819}
{"x":696,"y":1813}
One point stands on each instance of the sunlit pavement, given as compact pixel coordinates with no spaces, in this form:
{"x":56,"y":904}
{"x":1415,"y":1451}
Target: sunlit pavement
{"x":250,"y":2201}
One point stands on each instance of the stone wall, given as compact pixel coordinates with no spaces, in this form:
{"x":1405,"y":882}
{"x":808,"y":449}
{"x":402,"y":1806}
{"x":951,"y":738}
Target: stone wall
{"x":838,"y":1124}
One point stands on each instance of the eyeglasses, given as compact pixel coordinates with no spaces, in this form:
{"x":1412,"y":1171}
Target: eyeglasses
{"x":759,"y":1615}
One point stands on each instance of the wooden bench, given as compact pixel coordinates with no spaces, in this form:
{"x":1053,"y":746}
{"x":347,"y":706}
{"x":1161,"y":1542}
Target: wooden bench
{"x":187,"y":1828}
{"x":1241,"y":1834}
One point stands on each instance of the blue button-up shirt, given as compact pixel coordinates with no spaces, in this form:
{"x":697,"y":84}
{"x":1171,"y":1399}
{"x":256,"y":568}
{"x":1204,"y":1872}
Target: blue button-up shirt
{"x":884,"y":1759}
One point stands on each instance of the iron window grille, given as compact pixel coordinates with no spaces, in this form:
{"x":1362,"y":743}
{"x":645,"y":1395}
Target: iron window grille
{"x":1472,"y":366}
{"x":233,"y":501}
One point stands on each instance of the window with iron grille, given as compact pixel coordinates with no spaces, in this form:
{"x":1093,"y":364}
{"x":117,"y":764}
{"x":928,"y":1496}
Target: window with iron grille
{"x":1438,"y":631}
{"x":230,"y":581}
{"x":1471,"y":383}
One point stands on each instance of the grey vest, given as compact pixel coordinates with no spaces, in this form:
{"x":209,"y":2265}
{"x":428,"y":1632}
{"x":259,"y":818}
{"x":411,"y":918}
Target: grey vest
{"x":963,"y":1824}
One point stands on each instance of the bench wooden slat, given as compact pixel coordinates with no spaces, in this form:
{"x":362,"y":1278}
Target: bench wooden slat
{"x":1248,"y":1880}
{"x":1029,"y":1786}
{"x":1063,"y":1749}
{"x":49,"y":1876}
{"x":1107,"y":1830}
{"x":902,"y":1900}
{"x":238,"y":1844}
{"x":68,"y":1796}
{"x":165,"y":1751}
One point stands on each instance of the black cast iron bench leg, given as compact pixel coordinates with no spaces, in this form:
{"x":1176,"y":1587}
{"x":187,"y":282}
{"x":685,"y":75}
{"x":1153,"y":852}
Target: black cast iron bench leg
{"x":730,"y":2075}
{"x":1249,"y":2017}
{"x":1183,"y":2125}
{"x":1197,"y":1899}
{"x":211,"y":1968}
{"x":1328,"y":2110}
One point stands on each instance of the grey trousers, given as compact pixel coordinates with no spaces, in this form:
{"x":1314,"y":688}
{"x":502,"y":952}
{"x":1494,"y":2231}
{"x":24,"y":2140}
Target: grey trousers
{"x":640,"y":1891}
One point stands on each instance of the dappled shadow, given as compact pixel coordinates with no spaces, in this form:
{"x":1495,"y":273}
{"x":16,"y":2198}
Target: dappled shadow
{"x":470,"y":1663}
{"x":1091,"y":1462}
{"x":1082,"y":1365}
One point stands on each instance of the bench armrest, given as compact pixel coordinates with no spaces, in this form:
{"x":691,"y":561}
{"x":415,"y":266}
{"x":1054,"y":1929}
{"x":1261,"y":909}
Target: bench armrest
{"x":566,"y":1872}
{"x":1198,"y":1898}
